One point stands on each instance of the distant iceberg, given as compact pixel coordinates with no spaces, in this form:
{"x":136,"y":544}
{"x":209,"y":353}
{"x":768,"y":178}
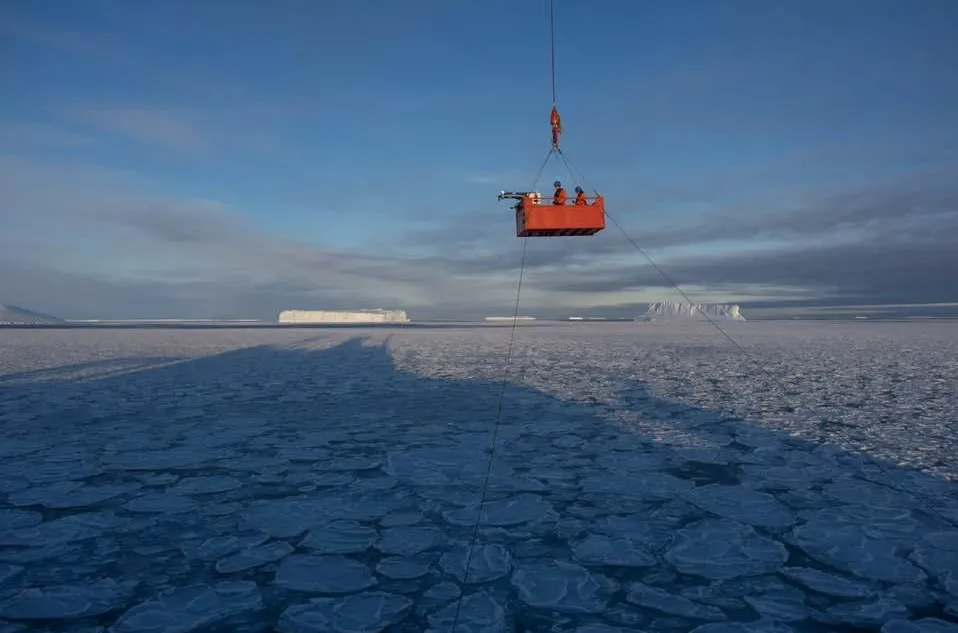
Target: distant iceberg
{"x":676,"y":311}
{"x":377,"y":315}
{"x":13,"y":315}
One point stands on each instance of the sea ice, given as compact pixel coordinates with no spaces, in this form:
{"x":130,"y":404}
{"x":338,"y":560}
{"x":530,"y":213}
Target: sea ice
{"x":255,"y":556}
{"x":828,"y":584}
{"x":373,"y":483}
{"x":516,"y":510}
{"x":402,"y":568}
{"x":866,"y":614}
{"x":282,"y":518}
{"x":53,"y":470}
{"x":340,"y":537}
{"x":8,"y":572}
{"x":915,"y":596}
{"x":741,"y":504}
{"x":65,"y":495}
{"x":559,"y":585}
{"x":177,"y":458}
{"x":396,"y":519}
{"x":369,"y":612}
{"x":156,"y":478}
{"x":307,"y":454}
{"x":408,"y":540}
{"x":66,"y":602}
{"x":442,"y":592}
{"x":221,"y":509}
{"x":37,"y":494}
{"x":195,"y":469}
{"x":435,"y":466}
{"x":10,"y":484}
{"x":478,"y":613}
{"x":848,"y":548}
{"x":756,"y":437}
{"x":26,"y":556}
{"x":195,"y":607}
{"x":650,"y":460}
{"x":659,"y":600}
{"x":622,"y":551}
{"x":14,"y":447}
{"x":598,"y":627}
{"x":361,"y":506}
{"x":205,"y":485}
{"x":219,"y":546}
{"x":11,"y":519}
{"x":925,"y":625}
{"x":784,"y":604}
{"x":762,"y":477}
{"x":897,"y":525}
{"x":762,"y":625}
{"x":161,"y":503}
{"x":723,"y":549}
{"x":323,"y":574}
{"x":488,"y":563}
{"x":321,"y":480}
{"x":74,"y":527}
{"x":937,"y":553}
{"x":859,"y":492}
{"x":348,"y":464}
{"x":641,"y":485}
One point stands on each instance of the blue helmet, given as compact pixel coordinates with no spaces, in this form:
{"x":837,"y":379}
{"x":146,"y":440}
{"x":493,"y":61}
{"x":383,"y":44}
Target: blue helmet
{"x":557,"y":184}
{"x":579,"y":190}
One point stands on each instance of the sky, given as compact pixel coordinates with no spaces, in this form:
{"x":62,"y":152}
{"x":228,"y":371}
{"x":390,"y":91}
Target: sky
{"x":232,"y":158}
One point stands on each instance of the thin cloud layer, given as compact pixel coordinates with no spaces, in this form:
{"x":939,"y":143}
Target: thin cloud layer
{"x":891,"y":243}
{"x":190,"y":258}
{"x":157,"y":126}
{"x":868,"y":272}
{"x":196,"y":258}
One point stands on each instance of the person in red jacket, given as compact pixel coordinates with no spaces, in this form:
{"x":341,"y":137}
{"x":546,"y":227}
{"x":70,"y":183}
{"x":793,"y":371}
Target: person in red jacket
{"x":560,"y":195}
{"x":580,"y":197}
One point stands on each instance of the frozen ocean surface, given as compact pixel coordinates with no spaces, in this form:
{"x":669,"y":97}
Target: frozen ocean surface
{"x":647,"y":478}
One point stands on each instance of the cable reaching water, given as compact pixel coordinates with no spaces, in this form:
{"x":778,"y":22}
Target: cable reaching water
{"x":502,"y":393}
{"x":495,"y":433}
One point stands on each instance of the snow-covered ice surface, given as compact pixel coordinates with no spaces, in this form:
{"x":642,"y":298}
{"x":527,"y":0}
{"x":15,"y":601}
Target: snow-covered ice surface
{"x":647,"y":478}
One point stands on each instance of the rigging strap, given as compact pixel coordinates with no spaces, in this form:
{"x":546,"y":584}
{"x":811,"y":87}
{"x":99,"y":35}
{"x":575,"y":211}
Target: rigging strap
{"x":542,"y":168}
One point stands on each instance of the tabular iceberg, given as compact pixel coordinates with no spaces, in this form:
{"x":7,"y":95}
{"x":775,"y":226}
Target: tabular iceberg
{"x":377,"y":315}
{"x":675,"y":311}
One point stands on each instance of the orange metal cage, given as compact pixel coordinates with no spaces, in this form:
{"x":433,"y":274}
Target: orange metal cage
{"x":553,"y":220}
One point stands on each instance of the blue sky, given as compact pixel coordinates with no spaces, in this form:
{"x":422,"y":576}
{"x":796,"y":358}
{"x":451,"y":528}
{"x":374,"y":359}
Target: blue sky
{"x":238,"y":158}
